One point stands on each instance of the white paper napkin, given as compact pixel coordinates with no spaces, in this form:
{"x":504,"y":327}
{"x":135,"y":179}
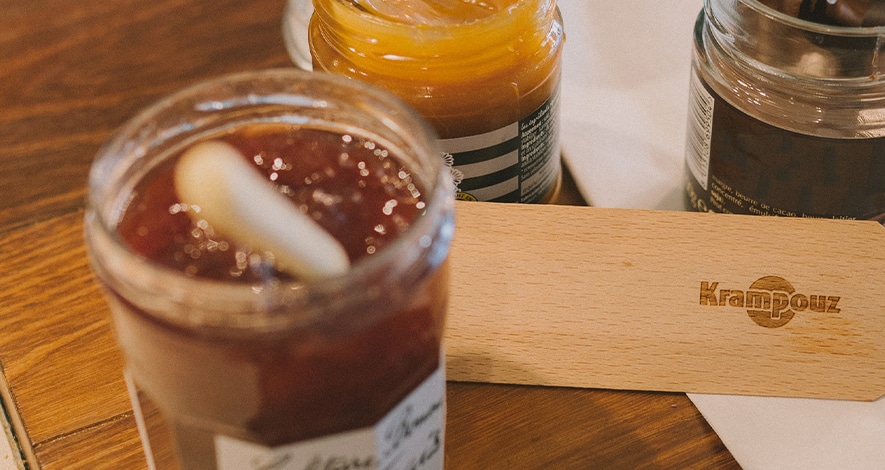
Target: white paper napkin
{"x":625,"y":95}
{"x":625,"y":91}
{"x":9,"y":456}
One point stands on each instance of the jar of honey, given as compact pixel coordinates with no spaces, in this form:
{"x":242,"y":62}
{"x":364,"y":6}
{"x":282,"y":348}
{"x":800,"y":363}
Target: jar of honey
{"x":787,"y":109}
{"x":484,"y":74}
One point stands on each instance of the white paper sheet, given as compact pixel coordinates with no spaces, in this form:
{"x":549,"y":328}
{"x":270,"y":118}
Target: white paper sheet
{"x":9,"y":456}
{"x":625,"y":90}
{"x":625,"y":95}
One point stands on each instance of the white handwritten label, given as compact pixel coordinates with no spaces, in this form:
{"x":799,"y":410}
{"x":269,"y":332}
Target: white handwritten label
{"x":410,"y":437}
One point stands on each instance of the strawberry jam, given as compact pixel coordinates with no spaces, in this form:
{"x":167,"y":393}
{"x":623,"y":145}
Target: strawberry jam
{"x":351,"y":186}
{"x":331,"y":365}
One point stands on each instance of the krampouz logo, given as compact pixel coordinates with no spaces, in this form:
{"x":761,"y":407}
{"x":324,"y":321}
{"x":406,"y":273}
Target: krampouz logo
{"x":771,"y":301}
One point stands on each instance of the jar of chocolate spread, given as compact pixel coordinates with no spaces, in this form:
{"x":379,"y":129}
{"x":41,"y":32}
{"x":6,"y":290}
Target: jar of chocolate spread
{"x":787,"y":109}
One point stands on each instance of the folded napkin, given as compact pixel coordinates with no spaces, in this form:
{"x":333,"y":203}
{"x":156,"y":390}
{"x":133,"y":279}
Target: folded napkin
{"x":625,"y":95}
{"x":624,"y":107}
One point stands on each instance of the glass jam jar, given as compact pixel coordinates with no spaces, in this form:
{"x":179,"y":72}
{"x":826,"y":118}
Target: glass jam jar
{"x":484,"y":74}
{"x":251,"y":366}
{"x":786,"y":115}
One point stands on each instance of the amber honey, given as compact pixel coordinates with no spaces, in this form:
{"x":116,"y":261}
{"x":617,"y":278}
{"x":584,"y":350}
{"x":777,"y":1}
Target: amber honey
{"x":484,"y":74}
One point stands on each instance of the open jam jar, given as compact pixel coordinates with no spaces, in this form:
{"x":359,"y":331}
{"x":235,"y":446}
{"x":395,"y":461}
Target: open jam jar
{"x":249,"y":364}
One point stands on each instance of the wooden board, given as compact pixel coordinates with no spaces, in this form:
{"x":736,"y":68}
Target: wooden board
{"x":630,"y":299}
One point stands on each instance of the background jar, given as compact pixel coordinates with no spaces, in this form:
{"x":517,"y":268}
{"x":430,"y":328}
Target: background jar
{"x":489,"y":86}
{"x":786,"y":116}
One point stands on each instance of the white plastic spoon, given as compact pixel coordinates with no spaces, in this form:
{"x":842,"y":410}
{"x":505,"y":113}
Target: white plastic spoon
{"x":240,"y":204}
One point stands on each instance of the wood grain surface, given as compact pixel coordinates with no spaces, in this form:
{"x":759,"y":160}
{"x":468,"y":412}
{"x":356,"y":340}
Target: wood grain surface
{"x":71,"y":73}
{"x":668,"y":301}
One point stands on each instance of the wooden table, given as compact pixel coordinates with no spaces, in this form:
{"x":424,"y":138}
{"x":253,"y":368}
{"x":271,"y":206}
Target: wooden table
{"x":70,"y":73}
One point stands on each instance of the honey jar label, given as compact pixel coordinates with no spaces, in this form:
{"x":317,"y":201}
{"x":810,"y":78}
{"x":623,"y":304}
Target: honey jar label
{"x":516,"y":163}
{"x":409,"y":437}
{"x":739,"y":164}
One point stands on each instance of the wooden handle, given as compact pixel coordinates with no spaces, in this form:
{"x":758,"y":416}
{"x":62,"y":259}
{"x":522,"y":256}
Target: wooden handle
{"x":667,"y":301}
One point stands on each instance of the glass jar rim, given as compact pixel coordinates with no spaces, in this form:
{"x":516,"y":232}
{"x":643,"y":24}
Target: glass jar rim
{"x":814,"y":27}
{"x":485,"y":44}
{"x":503,"y":16}
{"x":222,"y":303}
{"x":800,"y":61}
